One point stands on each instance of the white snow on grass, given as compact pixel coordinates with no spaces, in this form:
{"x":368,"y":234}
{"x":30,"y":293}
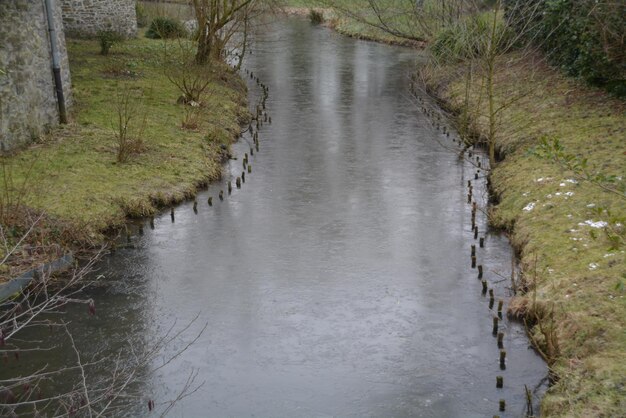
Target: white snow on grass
{"x":596,"y":224}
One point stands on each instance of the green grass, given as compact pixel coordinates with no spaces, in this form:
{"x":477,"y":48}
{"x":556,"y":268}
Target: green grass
{"x":574,"y":273}
{"x":76,"y":178}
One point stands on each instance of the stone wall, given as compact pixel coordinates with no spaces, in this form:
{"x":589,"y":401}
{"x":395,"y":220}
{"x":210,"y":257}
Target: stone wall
{"x":85,"y":18}
{"x":28,"y":103}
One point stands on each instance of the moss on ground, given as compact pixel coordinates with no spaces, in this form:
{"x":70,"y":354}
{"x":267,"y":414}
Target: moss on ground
{"x":72,"y":174}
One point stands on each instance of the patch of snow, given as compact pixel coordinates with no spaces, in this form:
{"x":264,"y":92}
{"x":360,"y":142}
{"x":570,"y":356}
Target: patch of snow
{"x":593,"y":266}
{"x":571,"y":181}
{"x":569,"y":194}
{"x":591,"y":205}
{"x":529,"y":207}
{"x":598,"y":224}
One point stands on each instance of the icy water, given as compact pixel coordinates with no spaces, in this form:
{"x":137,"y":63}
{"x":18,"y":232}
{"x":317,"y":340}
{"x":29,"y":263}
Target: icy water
{"x":337,"y":281}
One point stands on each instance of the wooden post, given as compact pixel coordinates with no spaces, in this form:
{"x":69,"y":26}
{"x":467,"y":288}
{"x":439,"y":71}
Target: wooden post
{"x":480,"y":271}
{"x":499,"y":382}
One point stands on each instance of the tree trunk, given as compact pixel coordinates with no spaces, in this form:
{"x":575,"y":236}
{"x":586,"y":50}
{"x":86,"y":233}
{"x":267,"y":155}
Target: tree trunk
{"x":204,"y":47}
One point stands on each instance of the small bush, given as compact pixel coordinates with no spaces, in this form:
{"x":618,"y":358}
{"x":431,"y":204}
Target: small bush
{"x":142,"y":17}
{"x":107,"y":39}
{"x":316,"y":16}
{"x":165,"y":28}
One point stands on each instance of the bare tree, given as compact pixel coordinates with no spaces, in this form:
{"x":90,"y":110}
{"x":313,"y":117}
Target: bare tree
{"x":474,"y":47}
{"x":414,"y":20}
{"x":214,"y":18}
{"x":38,"y":307}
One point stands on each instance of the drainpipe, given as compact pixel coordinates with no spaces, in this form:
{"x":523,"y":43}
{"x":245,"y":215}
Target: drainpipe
{"x":56,"y":66}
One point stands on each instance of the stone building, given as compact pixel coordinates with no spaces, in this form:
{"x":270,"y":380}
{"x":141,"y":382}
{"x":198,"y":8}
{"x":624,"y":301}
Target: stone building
{"x":85,"y":18}
{"x":28,"y":94}
{"x":28,"y":99}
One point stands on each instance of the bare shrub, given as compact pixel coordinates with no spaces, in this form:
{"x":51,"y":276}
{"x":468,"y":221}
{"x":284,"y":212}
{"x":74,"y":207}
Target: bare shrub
{"x":129,"y":124}
{"x":30,"y":314}
{"x":180,"y":68}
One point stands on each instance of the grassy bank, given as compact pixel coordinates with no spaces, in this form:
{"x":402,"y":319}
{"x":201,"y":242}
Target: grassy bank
{"x":555,"y":202}
{"x":353,"y":28}
{"x":560,"y":192}
{"x":73,"y":176}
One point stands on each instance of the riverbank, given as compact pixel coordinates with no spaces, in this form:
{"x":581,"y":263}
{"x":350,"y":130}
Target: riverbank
{"x":71,"y":184}
{"x":346,"y":26}
{"x":559,"y":190}
{"x":560,"y":195}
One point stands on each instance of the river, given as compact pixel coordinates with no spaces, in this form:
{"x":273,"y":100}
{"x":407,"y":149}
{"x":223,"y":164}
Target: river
{"x":337,"y":280}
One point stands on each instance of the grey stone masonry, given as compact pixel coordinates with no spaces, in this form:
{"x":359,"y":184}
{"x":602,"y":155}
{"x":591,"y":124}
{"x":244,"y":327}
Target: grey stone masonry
{"x":28,"y":102}
{"x":85,"y":18}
